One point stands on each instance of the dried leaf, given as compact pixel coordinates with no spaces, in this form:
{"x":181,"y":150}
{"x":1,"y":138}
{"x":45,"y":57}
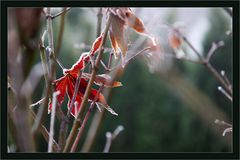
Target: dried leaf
{"x":103,"y":79}
{"x":118,"y":36}
{"x":175,"y":41}
{"x":123,"y":17}
{"x":134,"y":22}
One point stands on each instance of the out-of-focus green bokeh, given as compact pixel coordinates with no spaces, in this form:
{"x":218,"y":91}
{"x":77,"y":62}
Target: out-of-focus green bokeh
{"x":160,"y":111}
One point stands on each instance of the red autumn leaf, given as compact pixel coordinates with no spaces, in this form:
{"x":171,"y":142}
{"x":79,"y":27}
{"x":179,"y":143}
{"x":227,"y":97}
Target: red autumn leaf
{"x":60,"y":85}
{"x":96,"y":45}
{"x":66,"y":84}
{"x":85,"y":58}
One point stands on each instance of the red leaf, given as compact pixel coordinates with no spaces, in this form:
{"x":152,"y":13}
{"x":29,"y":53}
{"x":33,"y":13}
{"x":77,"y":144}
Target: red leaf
{"x":60,"y":85}
{"x":96,"y":45}
{"x":77,"y":101}
{"x":84,"y":58}
{"x":66,"y":84}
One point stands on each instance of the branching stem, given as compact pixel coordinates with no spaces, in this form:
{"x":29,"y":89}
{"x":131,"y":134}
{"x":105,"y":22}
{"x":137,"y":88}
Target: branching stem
{"x":77,"y":123}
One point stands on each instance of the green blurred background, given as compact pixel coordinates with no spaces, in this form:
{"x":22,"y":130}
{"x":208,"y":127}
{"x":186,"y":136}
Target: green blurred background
{"x":162,"y":111}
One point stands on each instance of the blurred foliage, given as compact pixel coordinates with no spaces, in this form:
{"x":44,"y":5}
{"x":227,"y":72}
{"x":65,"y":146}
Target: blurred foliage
{"x":155,"y":119}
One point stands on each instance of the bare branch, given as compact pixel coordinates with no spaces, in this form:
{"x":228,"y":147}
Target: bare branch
{"x":224,"y":93}
{"x":214,"y":47}
{"x":75,"y":92}
{"x":99,"y":21}
{"x":89,"y":87}
{"x":60,"y":33}
{"x":207,"y":65}
{"x":61,"y":13}
{"x":45,"y":133}
{"x":226,"y":79}
{"x":54,"y":103}
{"x":38,"y":102}
{"x":74,"y":146}
{"x":111,"y":136}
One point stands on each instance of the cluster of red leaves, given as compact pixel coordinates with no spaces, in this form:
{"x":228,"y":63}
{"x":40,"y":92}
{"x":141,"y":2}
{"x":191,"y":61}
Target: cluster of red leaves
{"x":66,"y":84}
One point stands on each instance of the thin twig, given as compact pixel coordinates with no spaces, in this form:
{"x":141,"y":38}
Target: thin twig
{"x":63,"y":124}
{"x":182,"y":58}
{"x":54,"y":104}
{"x":76,"y":124}
{"x":226,"y":79}
{"x":99,"y":21}
{"x":43,"y":58}
{"x":214,"y":47}
{"x":60,"y":33}
{"x":207,"y":64}
{"x":108,"y":142}
{"x":224,"y":93}
{"x":60,"y":13}
{"x":38,"y":102}
{"x":45,"y":133}
{"x":217,"y":121}
{"x":75,"y":92}
{"x":111,"y":136}
{"x":84,"y":46}
{"x":42,"y":112}
{"x":74,"y":146}
{"x":143,"y":50}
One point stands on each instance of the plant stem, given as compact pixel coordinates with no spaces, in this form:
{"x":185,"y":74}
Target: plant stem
{"x":75,"y":93}
{"x":99,"y":116}
{"x":42,"y":112}
{"x":45,"y":133}
{"x":54,"y":104}
{"x":208,"y":65}
{"x":110,"y":137}
{"x":60,"y":33}
{"x":74,"y":146}
{"x":87,"y":92}
{"x":61,"y":13}
{"x":73,"y":149}
{"x":99,"y":21}
{"x":44,"y":63}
